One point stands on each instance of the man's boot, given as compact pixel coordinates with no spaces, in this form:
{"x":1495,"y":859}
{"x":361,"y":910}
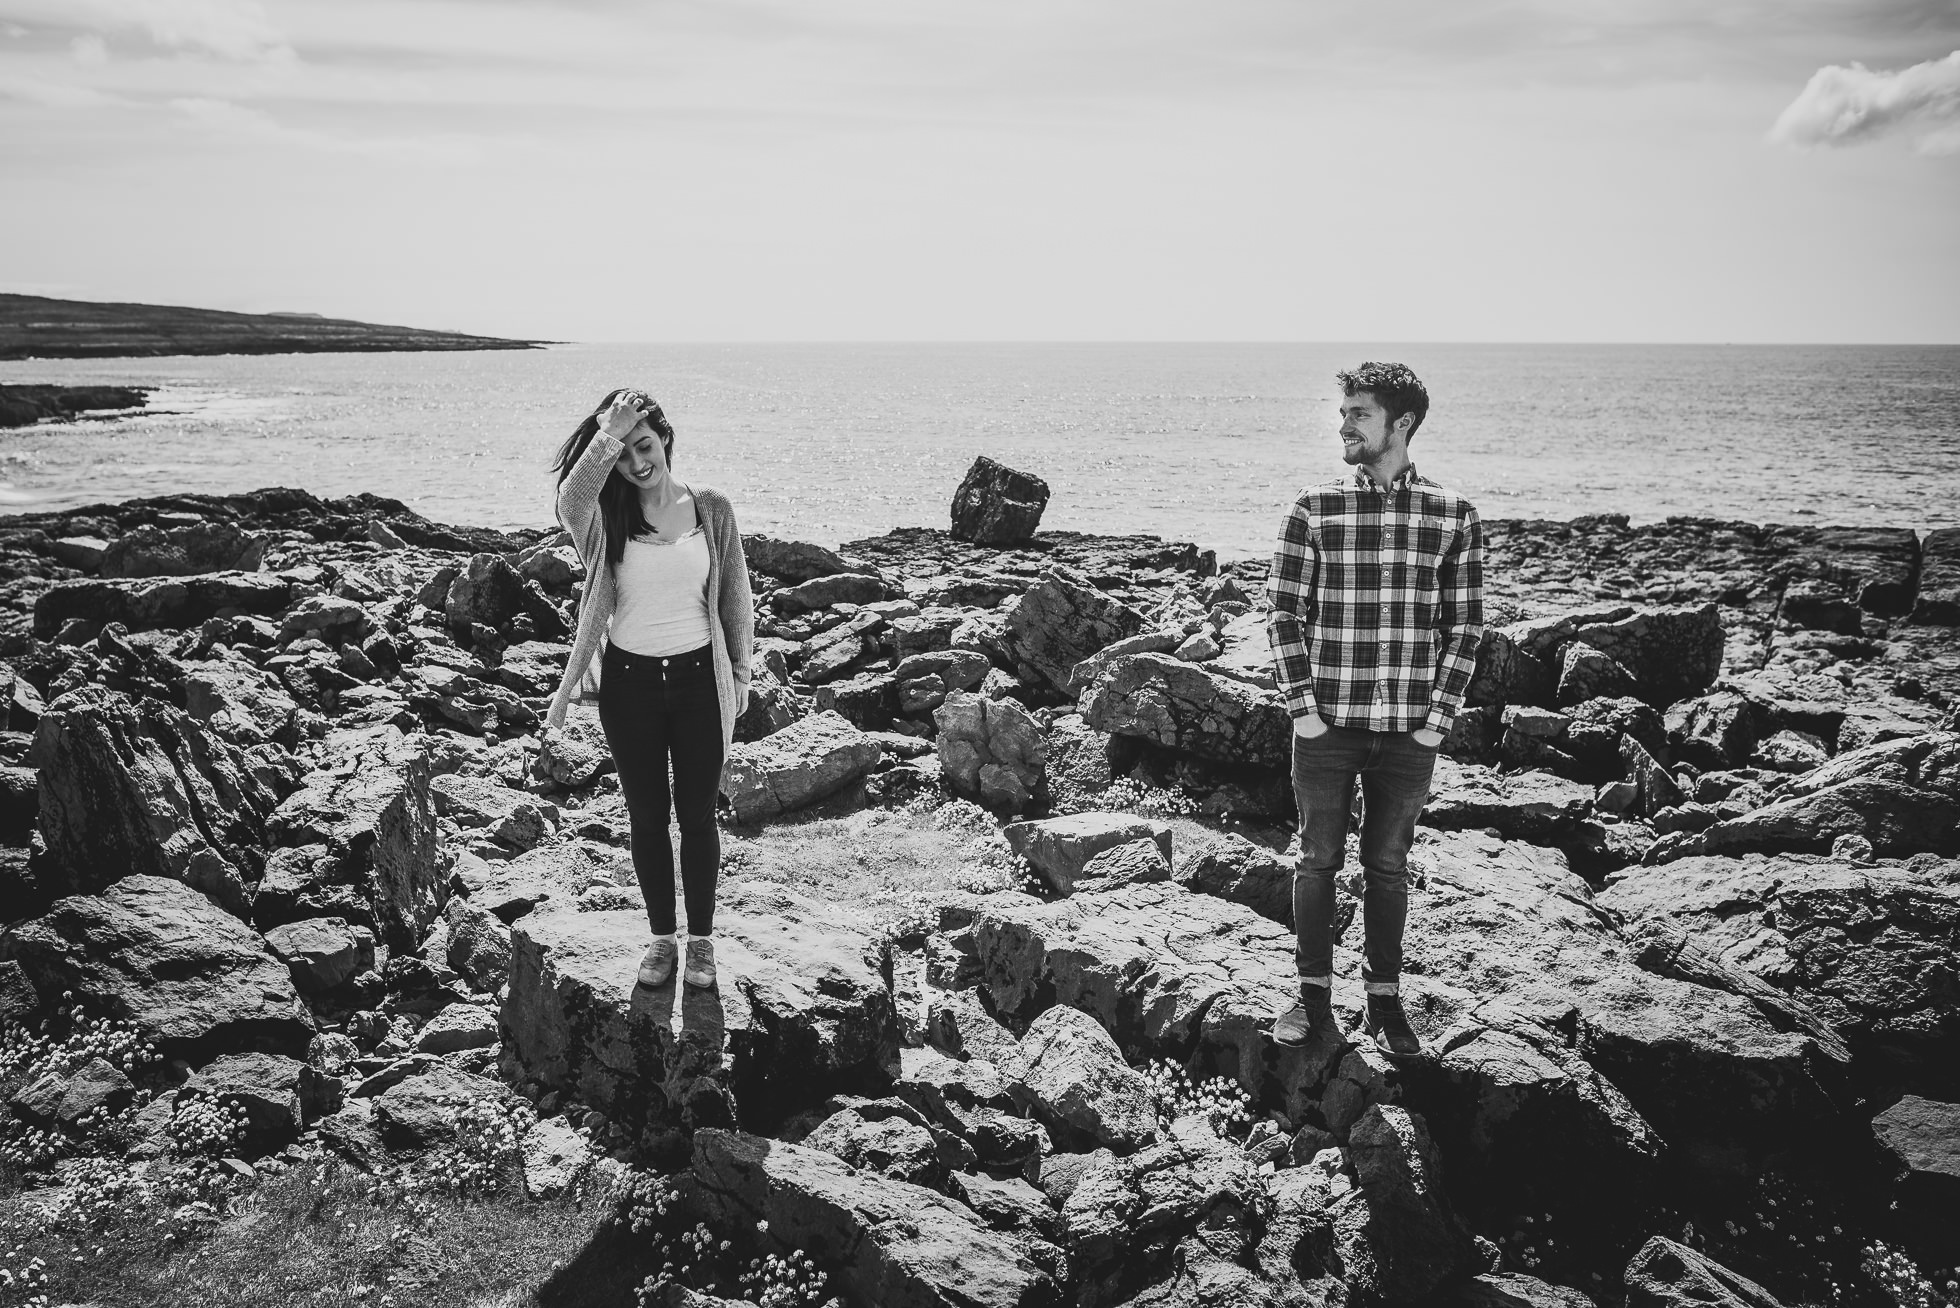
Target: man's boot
{"x":1389,"y":1026}
{"x":1311,"y":1021}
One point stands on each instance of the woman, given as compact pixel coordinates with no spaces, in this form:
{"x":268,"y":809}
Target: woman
{"x":665,"y":627}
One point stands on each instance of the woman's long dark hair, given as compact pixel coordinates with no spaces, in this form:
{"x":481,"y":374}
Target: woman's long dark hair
{"x":619,"y":500}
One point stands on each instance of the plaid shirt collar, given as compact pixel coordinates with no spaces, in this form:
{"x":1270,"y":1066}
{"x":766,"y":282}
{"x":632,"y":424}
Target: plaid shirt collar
{"x":1362,"y":481}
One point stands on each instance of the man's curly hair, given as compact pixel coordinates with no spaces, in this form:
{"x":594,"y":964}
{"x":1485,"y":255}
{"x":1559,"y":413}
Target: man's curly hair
{"x":1395,"y":388}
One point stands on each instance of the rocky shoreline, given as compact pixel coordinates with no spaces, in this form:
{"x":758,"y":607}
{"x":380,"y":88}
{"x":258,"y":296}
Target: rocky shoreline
{"x":23,"y":406}
{"x":274,"y":797}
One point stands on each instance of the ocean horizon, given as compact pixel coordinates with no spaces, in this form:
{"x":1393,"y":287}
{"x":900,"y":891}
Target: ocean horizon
{"x":1206,"y":442}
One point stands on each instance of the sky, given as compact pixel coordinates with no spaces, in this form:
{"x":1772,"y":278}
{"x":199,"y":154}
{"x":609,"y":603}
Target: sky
{"x":763,"y":170}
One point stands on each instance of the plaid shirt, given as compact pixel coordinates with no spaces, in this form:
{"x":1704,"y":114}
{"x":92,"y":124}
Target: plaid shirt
{"x":1377,"y":603}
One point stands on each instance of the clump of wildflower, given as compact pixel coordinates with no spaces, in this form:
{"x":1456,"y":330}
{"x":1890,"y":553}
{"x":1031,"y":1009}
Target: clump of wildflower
{"x":202,"y":1126}
{"x":784,"y":1281}
{"x":487,"y":1144}
{"x":100,"y":1190}
{"x":1900,"y":1278}
{"x":644,"y":1201}
{"x":1139,"y":797}
{"x":1218,"y":1099}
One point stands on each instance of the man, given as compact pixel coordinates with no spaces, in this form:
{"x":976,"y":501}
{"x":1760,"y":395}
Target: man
{"x":1377,"y":611}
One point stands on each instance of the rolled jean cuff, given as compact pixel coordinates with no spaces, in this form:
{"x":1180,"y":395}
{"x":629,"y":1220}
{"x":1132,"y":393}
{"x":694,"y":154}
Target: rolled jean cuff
{"x":1327,"y":981}
{"x":1382,"y":987}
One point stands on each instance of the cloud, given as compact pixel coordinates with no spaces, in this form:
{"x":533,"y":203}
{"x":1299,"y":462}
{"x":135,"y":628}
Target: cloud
{"x":1848,"y":106}
{"x":53,"y":95}
{"x":232,"y":29}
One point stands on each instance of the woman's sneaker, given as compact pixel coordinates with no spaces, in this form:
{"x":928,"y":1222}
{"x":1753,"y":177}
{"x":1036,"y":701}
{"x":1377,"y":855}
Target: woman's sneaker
{"x":700,"y":962}
{"x":657,"y":964}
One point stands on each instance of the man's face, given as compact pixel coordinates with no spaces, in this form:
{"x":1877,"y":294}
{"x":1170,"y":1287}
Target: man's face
{"x":1365,"y":432}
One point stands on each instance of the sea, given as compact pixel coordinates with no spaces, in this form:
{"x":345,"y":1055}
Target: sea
{"x":1199,"y":442}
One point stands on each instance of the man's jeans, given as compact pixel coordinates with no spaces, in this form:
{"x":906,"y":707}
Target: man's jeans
{"x":1394,"y":773}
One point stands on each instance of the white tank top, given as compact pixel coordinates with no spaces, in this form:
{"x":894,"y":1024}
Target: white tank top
{"x":662,"y":596}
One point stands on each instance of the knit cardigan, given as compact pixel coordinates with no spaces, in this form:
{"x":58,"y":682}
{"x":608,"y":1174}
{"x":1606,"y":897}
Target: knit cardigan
{"x":731,"y":605}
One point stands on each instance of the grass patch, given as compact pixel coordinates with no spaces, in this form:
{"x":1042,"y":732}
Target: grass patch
{"x":322,"y":1235}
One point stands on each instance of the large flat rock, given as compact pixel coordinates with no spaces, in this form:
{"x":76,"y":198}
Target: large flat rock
{"x":799,"y":1012}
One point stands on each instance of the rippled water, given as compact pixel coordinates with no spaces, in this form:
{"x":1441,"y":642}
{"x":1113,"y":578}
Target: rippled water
{"x":1198,"y":442}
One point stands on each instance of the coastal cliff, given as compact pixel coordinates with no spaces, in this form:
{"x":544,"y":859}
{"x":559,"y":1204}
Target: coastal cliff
{"x":36,"y":327}
{"x":1007,"y":907}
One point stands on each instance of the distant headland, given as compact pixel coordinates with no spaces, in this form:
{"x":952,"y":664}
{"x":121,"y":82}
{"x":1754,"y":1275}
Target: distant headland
{"x":35,"y":327}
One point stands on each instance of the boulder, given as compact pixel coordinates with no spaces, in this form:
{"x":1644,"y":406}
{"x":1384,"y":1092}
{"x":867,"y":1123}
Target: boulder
{"x":1718,"y":730}
{"x":420,"y":1111}
{"x":1516,"y":1290}
{"x":824,"y":591}
{"x":369,"y":806}
{"x":1586,"y":673}
{"x":772,"y":706}
{"x":1938,"y":602}
{"x":322,"y":952}
{"x":1508,"y":673}
{"x":842,"y":649}
{"x":1060,"y":848}
{"x":555,"y":1157}
{"x":1156,"y":641}
{"x":1072,"y":1077}
{"x":486,"y":590}
{"x":989,"y":750}
{"x":240,"y":703}
{"x":1137,"y":862}
{"x":1673,"y":653}
{"x":479,"y":944}
{"x":149,"y":551}
{"x":798,"y":1013}
{"x":130,"y":785}
{"x":1903,"y":796}
{"x":890,"y":1243}
{"x":1665,"y":1274}
{"x":1008,"y":1204}
{"x":1820,"y":606}
{"x":996,"y":505}
{"x":514,"y":819}
{"x":1920,"y":1139}
{"x":1877,"y":566}
{"x":797,"y":766}
{"x":58,"y":1099}
{"x":924,"y":680}
{"x":1397,"y":1239}
{"x":1858,"y":946}
{"x":892,"y":1146}
{"x":159,"y":602}
{"x":1535,"y":806}
{"x":1061,"y":620}
{"x":331,"y":618}
{"x":1232,"y":867}
{"x":1654,"y":788}
{"x":867,"y":701}
{"x":157,"y":954}
{"x":1121,"y":1208}
{"x":1187,"y":708}
{"x":458,"y":1027}
{"x":792,"y":560}
{"x":281,"y":1096}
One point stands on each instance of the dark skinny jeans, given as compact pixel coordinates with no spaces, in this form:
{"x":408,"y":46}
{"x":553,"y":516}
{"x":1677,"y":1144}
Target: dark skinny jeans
{"x":654,"y":710}
{"x":1394,"y":772}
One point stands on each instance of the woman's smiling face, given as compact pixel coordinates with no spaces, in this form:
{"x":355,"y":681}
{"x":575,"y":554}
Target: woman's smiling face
{"x":644,"y":460}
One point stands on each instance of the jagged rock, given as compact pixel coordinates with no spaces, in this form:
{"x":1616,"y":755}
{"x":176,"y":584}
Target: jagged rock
{"x":369,"y":806}
{"x":322,"y":952}
{"x":421,"y":1110}
{"x":1665,"y":1274}
{"x":240,"y":703}
{"x":957,"y":1023}
{"x":131,"y":785}
{"x":1187,"y":708}
{"x":989,"y":750}
{"x":1059,"y":848}
{"x":149,"y":551}
{"x":160,"y":955}
{"x":996,"y":505}
{"x":1718,"y":730}
{"x":479,"y":944}
{"x":823,"y":591}
{"x":890,"y":1146}
{"x":1133,"y":863}
{"x":329,"y":617}
{"x":1516,"y":1290}
{"x":555,"y":1157}
{"x":798,"y":1013}
{"x":1397,"y":1239}
{"x":792,"y":560}
{"x":1920,"y":1138}
{"x":930,"y":631}
{"x":1938,"y":602}
{"x":924,"y":680}
{"x":166,"y":602}
{"x":1058,"y":622}
{"x":797,"y":766}
{"x":1878,"y":566}
{"x":1859,"y":946}
{"x":842,"y":649}
{"x":1654,"y":789}
{"x":1232,"y":867}
{"x":1521,"y":806}
{"x":1902,"y":795}
{"x":1673,"y":653}
{"x":1791,"y":751}
{"x":488,"y":591}
{"x":772,"y":706}
{"x":1090,"y":670}
{"x":1586,"y":673}
{"x":573,"y":754}
{"x":1073,"y":1077}
{"x":867,"y":701}
{"x":1507,"y":673}
{"x":1006,"y":1205}
{"x":55,"y":1099}
{"x":459,"y":1026}
{"x":893,"y":1244}
{"x":1126,"y":1206}
{"x":532,"y":667}
{"x":280,"y":1095}
{"x":512,"y":818}
{"x":1820,"y":606}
